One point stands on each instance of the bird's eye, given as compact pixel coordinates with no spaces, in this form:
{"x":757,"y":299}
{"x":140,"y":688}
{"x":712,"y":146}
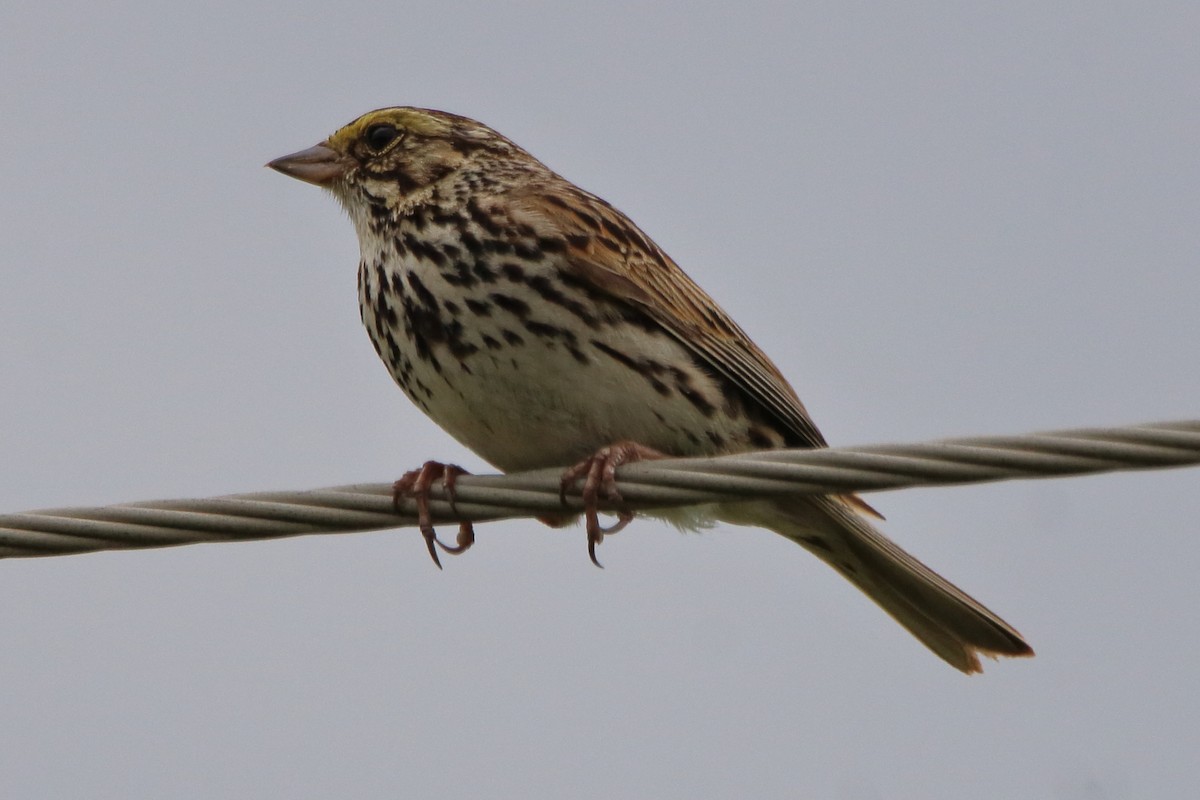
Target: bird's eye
{"x":381,"y":135}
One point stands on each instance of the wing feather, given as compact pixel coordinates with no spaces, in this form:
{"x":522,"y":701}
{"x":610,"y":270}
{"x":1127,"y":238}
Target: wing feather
{"x":609,"y":253}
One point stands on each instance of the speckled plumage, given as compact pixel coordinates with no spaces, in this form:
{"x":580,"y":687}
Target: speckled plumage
{"x":537,"y":324}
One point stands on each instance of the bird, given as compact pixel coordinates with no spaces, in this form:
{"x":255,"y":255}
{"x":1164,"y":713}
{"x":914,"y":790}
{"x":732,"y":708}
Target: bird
{"x":540,"y":327}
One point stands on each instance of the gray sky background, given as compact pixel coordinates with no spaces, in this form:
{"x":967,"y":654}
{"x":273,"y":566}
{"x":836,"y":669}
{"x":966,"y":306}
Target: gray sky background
{"x":939,"y":219}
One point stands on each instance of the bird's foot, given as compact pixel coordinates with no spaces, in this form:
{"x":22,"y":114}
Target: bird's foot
{"x":599,"y":474}
{"x":416,"y":485}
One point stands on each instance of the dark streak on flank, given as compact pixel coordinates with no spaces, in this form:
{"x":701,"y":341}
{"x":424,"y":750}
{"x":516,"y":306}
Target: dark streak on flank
{"x":478,"y":307}
{"x":683,"y":385}
{"x":550,"y":293}
{"x":483,"y":271}
{"x":512,"y":305}
{"x":650,"y":370}
{"x":459,"y":274}
{"x":759,"y":439}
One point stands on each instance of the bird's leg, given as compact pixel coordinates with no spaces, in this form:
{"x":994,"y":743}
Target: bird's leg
{"x":416,"y":484}
{"x":599,"y":474}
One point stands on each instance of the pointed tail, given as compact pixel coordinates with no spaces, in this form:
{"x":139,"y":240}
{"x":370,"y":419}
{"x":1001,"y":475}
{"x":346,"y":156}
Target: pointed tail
{"x":943,"y":617}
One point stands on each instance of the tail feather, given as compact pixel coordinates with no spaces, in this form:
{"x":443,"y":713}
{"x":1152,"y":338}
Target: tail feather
{"x":943,"y":617}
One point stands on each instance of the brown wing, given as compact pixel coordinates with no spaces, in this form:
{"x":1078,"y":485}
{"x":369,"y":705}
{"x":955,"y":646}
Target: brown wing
{"x":607,"y":251}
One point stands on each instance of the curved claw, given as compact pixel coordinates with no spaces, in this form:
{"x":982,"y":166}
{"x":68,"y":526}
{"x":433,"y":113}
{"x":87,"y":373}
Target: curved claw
{"x":462,"y":542}
{"x":599,"y":474}
{"x":430,"y":540}
{"x":592,"y":542}
{"x":596,"y":535}
{"x":416,"y":484}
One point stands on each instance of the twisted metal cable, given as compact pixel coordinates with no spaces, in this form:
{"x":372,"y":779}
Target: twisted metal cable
{"x":646,"y":485}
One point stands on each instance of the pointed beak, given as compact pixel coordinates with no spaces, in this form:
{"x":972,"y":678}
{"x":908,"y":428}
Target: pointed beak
{"x":320,"y":165}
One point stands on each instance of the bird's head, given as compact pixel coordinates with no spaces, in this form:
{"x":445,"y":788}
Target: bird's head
{"x":387,"y":156}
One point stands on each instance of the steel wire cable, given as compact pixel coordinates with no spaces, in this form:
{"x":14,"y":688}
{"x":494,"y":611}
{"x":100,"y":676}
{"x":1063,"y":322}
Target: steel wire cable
{"x":645,"y":485}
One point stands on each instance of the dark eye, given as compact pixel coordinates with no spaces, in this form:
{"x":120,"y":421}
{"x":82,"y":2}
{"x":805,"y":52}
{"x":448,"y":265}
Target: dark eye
{"x":380,"y":135}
